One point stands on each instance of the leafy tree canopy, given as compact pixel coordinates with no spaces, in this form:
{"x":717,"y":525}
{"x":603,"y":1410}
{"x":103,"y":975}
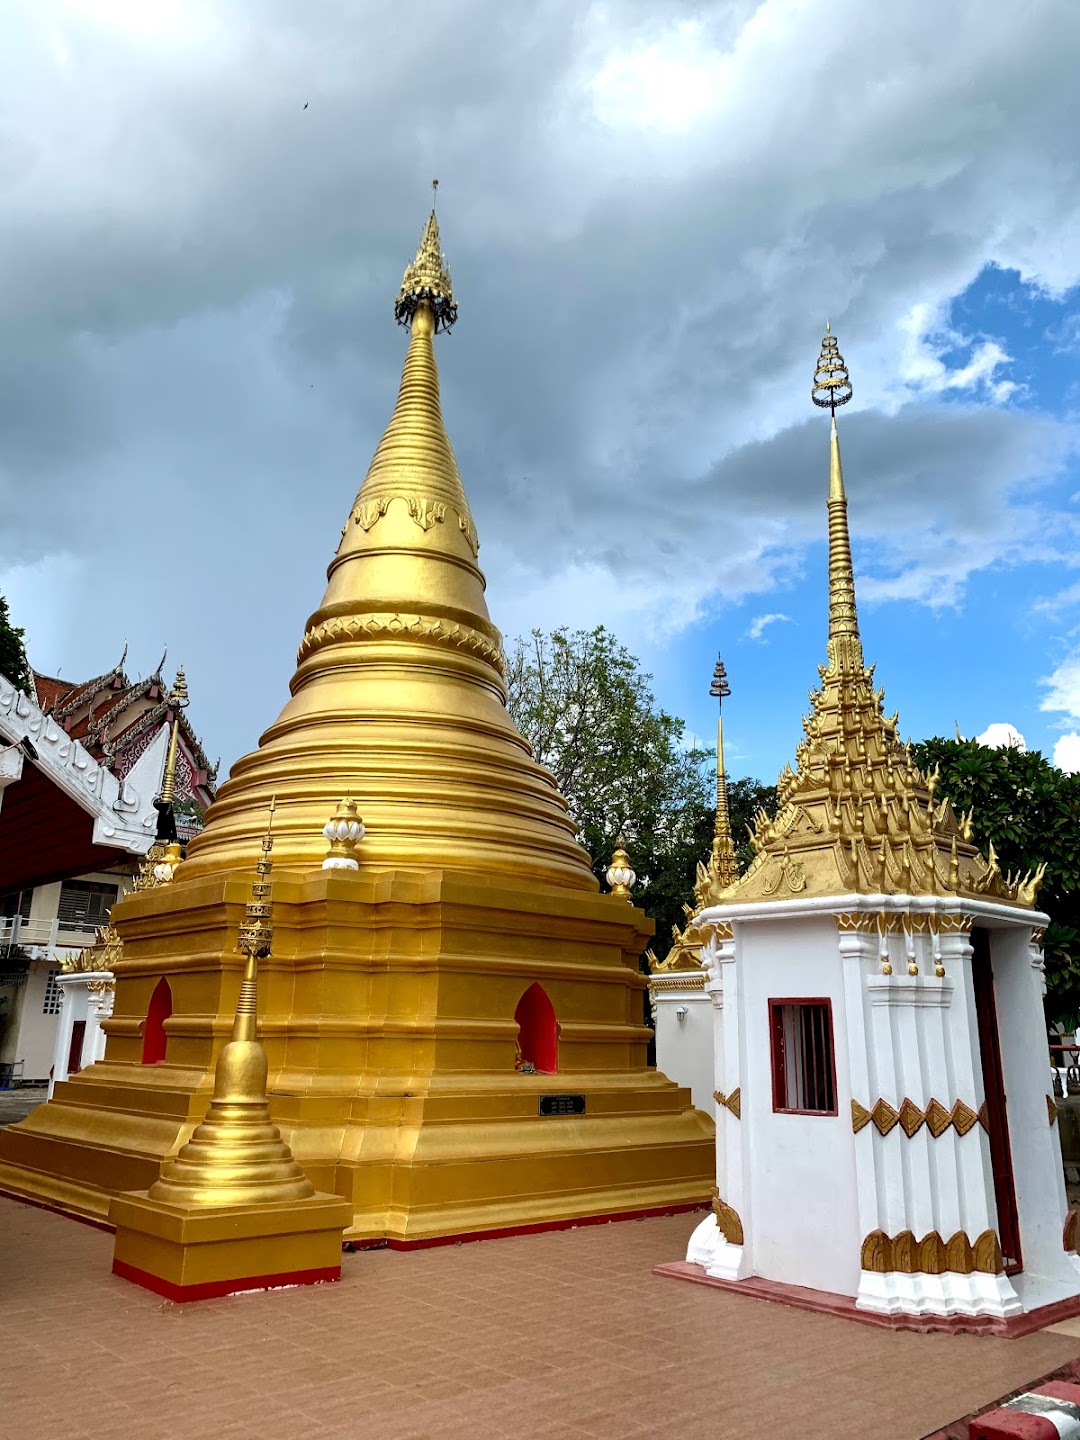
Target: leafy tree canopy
{"x":624,"y":764}
{"x":1030,"y":810}
{"x":14,"y":665}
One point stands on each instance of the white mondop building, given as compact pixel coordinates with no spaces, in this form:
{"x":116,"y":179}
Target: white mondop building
{"x":877,"y":994}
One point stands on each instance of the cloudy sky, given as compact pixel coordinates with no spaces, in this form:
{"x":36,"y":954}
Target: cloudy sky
{"x":649,"y":211}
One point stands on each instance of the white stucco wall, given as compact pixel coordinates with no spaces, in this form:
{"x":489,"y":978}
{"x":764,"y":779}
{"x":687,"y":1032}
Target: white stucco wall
{"x":684,"y":1047}
{"x":802,"y":1214}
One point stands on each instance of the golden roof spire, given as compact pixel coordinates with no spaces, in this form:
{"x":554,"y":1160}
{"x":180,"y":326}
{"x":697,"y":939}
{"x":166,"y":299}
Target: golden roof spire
{"x":178,"y":699}
{"x":856,"y":815}
{"x":831,"y":388}
{"x":236,"y":1156}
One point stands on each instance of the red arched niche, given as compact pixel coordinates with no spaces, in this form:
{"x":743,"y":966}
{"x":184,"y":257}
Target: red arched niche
{"x":154,"y":1037}
{"x":538,"y":1030}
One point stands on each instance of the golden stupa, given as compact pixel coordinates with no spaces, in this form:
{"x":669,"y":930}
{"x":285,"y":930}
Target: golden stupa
{"x":455,"y":1028}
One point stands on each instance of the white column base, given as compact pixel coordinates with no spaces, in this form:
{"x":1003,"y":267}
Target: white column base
{"x":716,"y":1256}
{"x":340,"y":862}
{"x":895,"y":1293}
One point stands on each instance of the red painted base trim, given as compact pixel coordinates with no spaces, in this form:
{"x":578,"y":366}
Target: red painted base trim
{"x":826,"y":1302}
{"x":215,"y":1289}
{"x":509,"y":1231}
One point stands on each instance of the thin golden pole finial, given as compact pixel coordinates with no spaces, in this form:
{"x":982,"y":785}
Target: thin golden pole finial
{"x":724,"y":865}
{"x":832,"y":387}
{"x":434,"y":192}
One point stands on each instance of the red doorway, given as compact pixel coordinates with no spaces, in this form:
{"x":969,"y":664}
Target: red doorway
{"x":538,"y":1030}
{"x":154,"y":1037}
{"x":982,"y":974}
{"x":78,"y":1035}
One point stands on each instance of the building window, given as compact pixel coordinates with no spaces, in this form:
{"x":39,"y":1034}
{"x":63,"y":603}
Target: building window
{"x":84,"y":904}
{"x":803,"y":1062}
{"x":53,"y":994}
{"x":17,"y":903}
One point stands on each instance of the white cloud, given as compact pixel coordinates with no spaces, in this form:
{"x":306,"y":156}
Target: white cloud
{"x":1063,"y":688}
{"x":1002,"y":736}
{"x":758,"y":624}
{"x":1067,"y":753}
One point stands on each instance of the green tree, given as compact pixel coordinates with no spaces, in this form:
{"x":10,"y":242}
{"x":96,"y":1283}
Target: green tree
{"x":14,"y":665}
{"x":1030,"y":811}
{"x":623,"y":763}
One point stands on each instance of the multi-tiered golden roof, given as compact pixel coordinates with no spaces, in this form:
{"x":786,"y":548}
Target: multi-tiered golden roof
{"x":856,"y":813}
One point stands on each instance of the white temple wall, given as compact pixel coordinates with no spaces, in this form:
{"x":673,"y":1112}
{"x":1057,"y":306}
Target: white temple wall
{"x":1037,"y":1172}
{"x":803,"y":1212}
{"x":684,"y":1044}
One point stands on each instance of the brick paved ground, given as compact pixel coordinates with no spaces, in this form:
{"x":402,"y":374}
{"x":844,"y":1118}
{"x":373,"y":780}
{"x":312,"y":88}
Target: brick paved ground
{"x":547,"y":1337}
{"x":17,"y":1104}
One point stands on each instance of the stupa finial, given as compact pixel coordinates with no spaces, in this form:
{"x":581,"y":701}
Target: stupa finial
{"x":724,"y":869}
{"x":832,"y":387}
{"x":427,"y":279}
{"x":620,"y":875}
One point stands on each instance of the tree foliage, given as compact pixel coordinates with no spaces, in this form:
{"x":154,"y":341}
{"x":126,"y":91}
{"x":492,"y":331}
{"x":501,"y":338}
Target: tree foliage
{"x":1030,"y":810}
{"x":14,"y":665}
{"x":623,"y":763}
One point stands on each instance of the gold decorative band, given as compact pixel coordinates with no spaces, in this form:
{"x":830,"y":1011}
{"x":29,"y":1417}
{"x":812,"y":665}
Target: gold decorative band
{"x":732,"y":1102}
{"x":1051,"y":1109}
{"x":931,"y":1255}
{"x":910,"y":1118}
{"x":403,"y":627}
{"x":728,"y":1220}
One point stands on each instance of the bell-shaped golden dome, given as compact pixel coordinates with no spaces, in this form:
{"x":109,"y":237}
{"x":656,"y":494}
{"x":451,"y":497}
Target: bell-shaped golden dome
{"x":398,"y":698}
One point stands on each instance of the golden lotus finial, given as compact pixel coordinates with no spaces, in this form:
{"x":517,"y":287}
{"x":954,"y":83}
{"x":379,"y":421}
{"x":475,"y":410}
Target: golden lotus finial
{"x":619,"y":874}
{"x":344,"y":830}
{"x":427,"y":279}
{"x":831,"y":387}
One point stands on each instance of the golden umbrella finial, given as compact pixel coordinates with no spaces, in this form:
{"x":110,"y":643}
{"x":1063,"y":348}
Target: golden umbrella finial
{"x":723,"y":864}
{"x":427,"y":279}
{"x":832,"y":386}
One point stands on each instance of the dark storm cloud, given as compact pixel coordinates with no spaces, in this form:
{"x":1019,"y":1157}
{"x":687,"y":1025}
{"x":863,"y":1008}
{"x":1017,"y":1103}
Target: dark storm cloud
{"x":646,"y":222}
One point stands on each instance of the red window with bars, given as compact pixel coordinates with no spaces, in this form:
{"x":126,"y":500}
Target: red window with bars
{"x":803,"y":1060}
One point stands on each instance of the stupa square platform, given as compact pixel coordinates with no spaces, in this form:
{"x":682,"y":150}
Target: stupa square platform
{"x":561,"y":1336}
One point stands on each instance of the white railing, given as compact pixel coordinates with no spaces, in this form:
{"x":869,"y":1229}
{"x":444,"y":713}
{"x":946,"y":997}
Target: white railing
{"x":42,"y":935}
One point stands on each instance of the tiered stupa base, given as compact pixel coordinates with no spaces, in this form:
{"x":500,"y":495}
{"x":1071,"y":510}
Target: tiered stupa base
{"x":384,"y":997}
{"x":187,"y":1254}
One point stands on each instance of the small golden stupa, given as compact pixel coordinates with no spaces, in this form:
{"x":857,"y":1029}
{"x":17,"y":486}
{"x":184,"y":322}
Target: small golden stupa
{"x":454,"y":1024}
{"x":233,"y":1211}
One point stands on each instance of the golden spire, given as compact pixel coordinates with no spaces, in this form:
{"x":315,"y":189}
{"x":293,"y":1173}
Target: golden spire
{"x":856,"y":814}
{"x":723,"y":868}
{"x":236,"y":1156}
{"x":831,"y":388}
{"x":178,"y":699}
{"x":399,"y":694}
{"x":427,"y":279}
